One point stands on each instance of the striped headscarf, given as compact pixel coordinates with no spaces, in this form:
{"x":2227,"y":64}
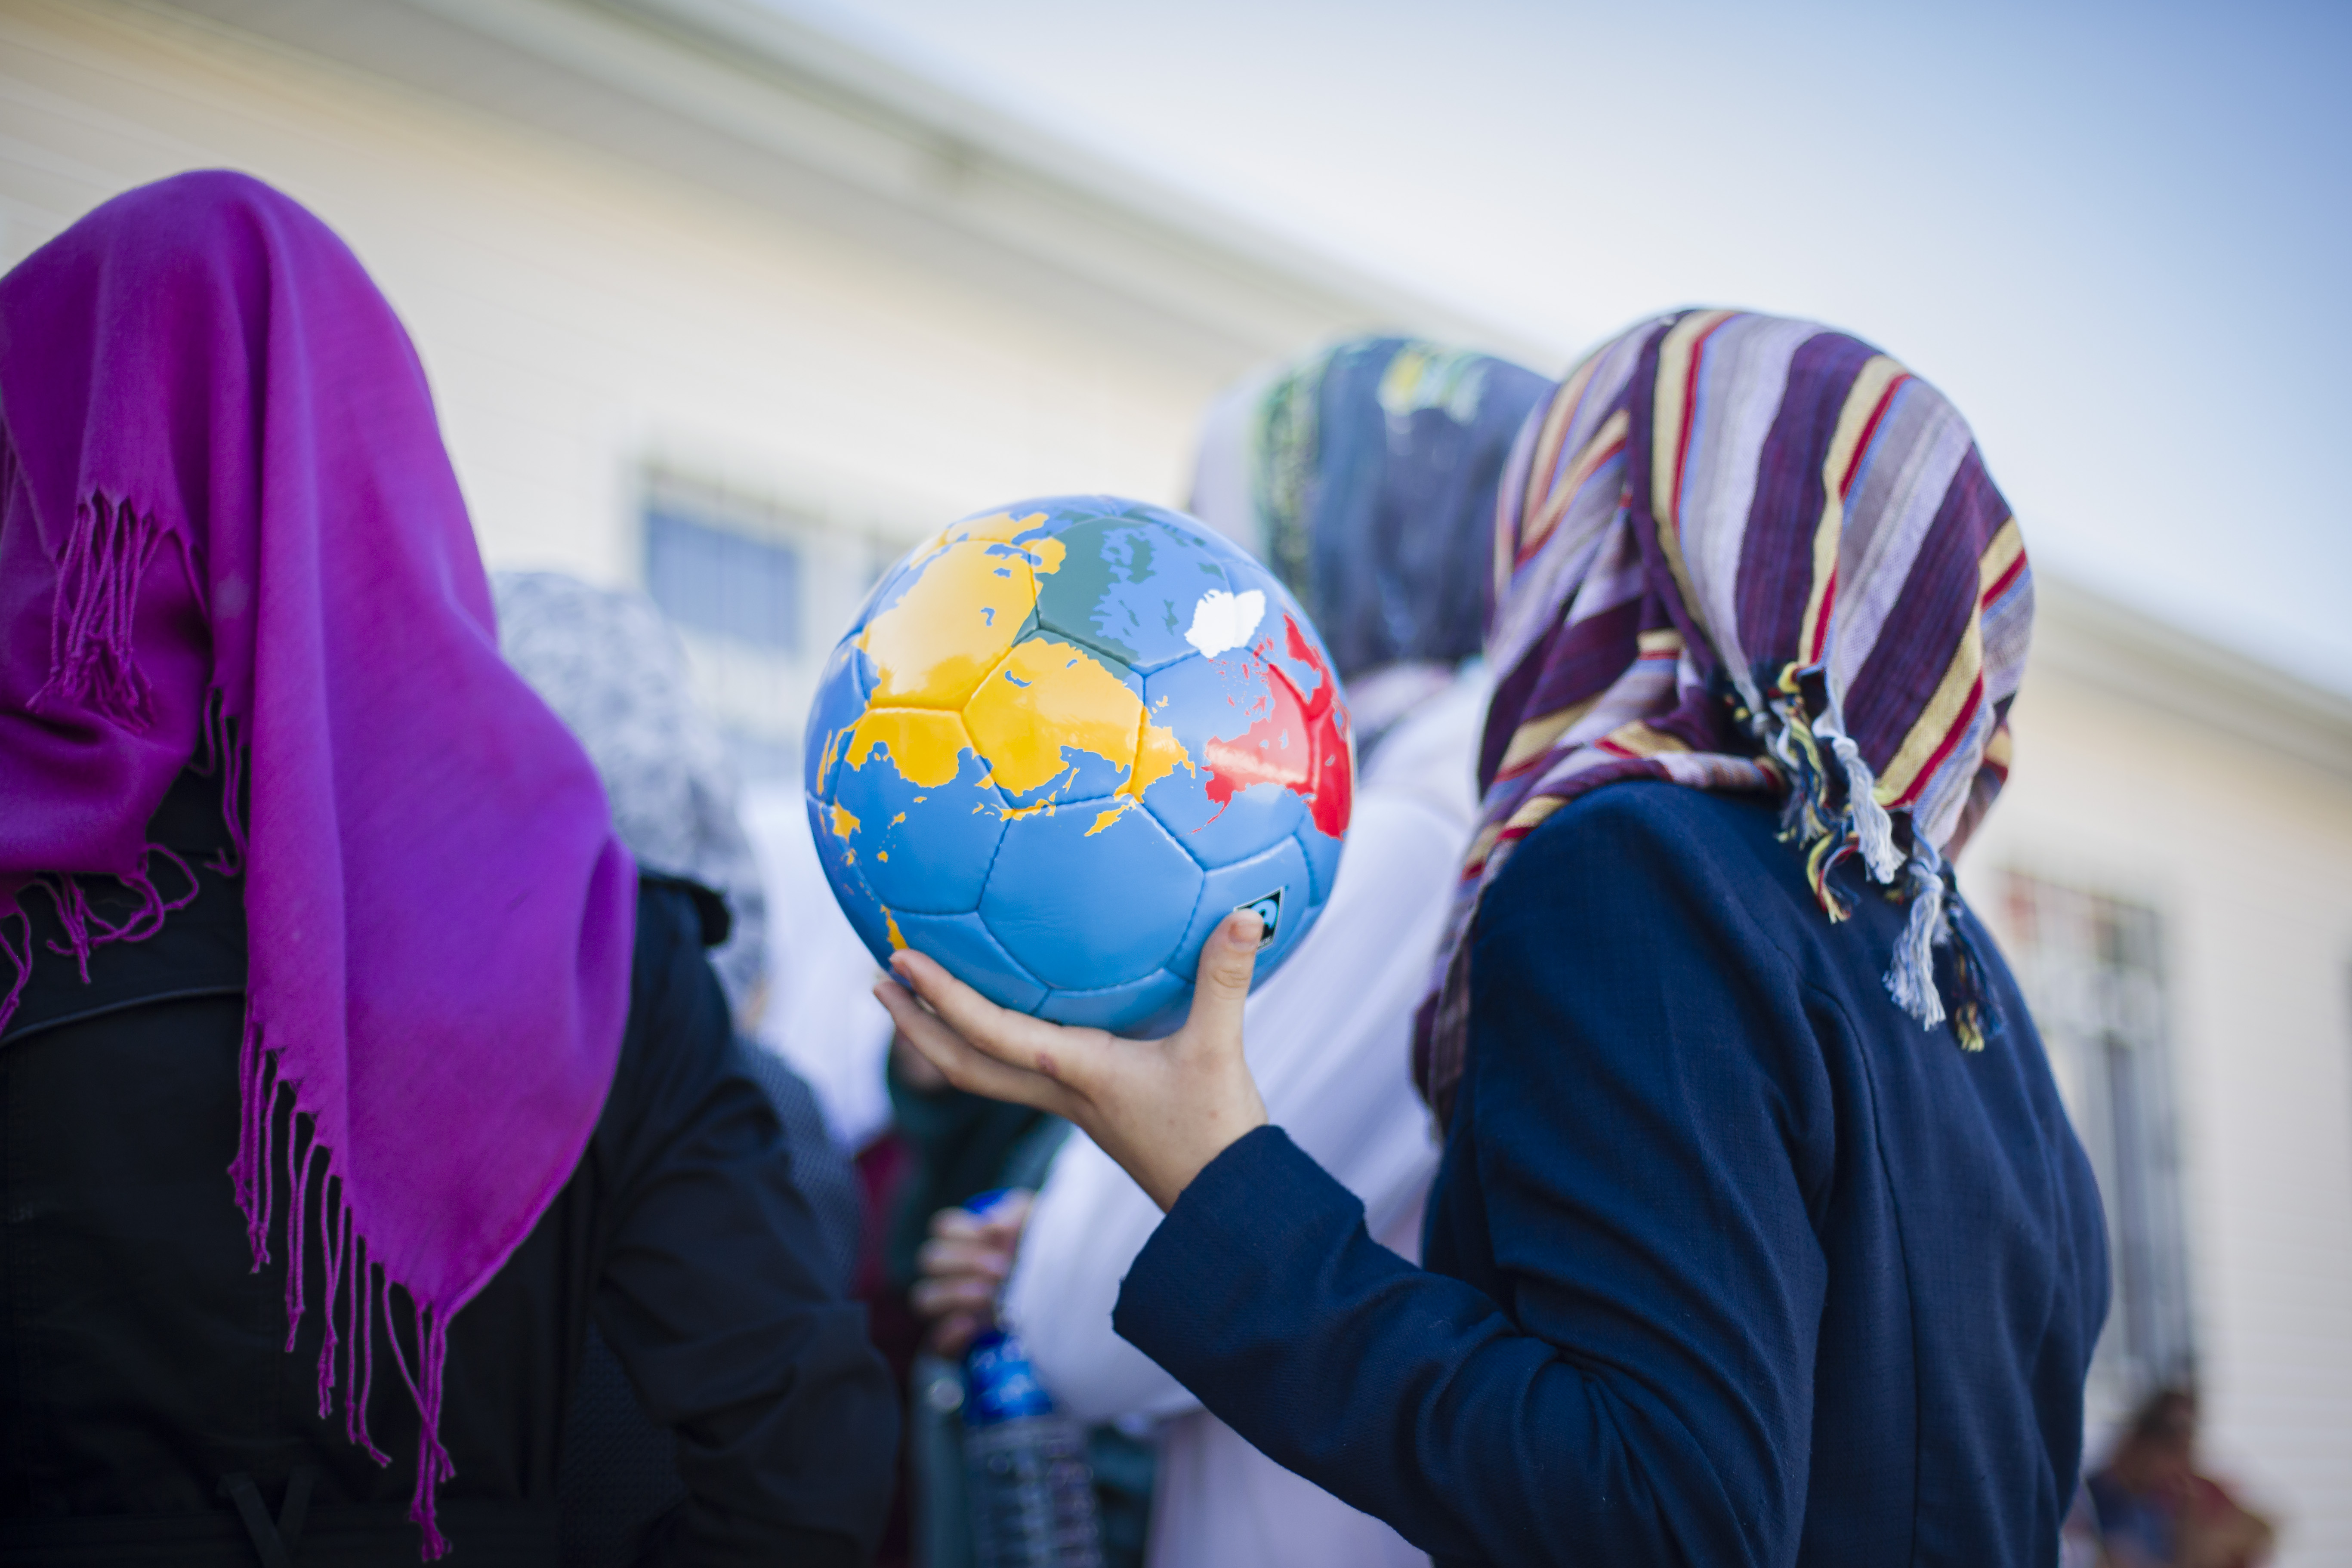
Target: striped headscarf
{"x":1739,"y":552}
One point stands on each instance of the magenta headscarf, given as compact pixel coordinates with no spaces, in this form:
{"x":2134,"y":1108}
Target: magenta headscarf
{"x":232,"y":537}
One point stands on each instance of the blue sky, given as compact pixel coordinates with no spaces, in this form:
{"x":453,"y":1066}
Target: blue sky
{"x":2117,"y":237}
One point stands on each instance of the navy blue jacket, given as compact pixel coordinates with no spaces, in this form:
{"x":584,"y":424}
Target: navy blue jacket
{"x":1728,"y":1260}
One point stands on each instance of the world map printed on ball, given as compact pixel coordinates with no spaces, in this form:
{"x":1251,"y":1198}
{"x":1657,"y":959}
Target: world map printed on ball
{"x":1062,"y":743}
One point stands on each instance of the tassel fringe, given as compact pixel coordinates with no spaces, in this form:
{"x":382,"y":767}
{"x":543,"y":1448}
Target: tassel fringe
{"x":1911,"y":980}
{"x":1832,"y":811}
{"x":1976,"y":1018}
{"x":1873,"y":828}
{"x":224,"y":754}
{"x":356,"y":1287}
{"x":86,"y":930}
{"x":20,"y":954}
{"x":92,"y":660}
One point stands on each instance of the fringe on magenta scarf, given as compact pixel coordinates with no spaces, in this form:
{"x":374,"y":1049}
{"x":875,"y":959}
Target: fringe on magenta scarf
{"x":230,"y":538}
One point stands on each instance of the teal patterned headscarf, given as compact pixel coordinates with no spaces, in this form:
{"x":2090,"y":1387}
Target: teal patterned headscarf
{"x":1372,"y":469}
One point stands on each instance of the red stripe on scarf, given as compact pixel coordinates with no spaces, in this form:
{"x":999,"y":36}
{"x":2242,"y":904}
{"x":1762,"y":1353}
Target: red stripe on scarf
{"x":1690,"y":415}
{"x":1959,"y":727}
{"x":2002,"y":583}
{"x":1870,"y":433}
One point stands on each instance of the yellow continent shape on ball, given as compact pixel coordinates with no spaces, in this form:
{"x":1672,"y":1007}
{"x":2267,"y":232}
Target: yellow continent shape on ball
{"x":1049,"y":696}
{"x":975,"y":585}
{"x":949,"y":641}
{"x":924,"y":744}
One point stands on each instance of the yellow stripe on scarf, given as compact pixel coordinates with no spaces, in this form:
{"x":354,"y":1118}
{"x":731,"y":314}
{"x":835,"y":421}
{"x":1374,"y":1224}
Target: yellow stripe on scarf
{"x":1636,"y":738}
{"x":1535,"y":737}
{"x":1594,"y":453}
{"x":1557,"y":419}
{"x":1860,"y":402}
{"x":1527,"y":816}
{"x":1901,"y":777}
{"x":2000,"y":556}
{"x":1677,"y":370}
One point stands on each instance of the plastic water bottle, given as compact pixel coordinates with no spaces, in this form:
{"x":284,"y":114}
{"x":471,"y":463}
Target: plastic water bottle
{"x":1028,"y":1483}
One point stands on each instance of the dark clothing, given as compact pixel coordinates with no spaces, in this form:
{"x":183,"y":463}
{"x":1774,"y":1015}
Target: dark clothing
{"x":1728,"y":1260}
{"x":961,"y":1143}
{"x":820,"y":1169}
{"x":142,"y":1361}
{"x":618,"y":1487}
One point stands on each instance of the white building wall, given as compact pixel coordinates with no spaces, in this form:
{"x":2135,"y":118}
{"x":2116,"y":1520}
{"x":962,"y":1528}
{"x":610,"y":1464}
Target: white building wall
{"x":2247,"y":859}
{"x":581,"y":318}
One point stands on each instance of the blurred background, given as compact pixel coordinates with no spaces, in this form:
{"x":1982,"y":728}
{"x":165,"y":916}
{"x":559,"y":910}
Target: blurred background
{"x":732,"y":301}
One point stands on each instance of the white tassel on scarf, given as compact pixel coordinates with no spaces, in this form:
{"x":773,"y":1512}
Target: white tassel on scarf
{"x":1871,"y":827}
{"x":1912,"y":980}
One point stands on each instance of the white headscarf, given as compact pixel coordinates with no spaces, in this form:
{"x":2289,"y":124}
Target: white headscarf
{"x":614,"y":671}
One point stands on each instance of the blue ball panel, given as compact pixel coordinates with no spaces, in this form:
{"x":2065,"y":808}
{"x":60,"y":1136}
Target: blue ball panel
{"x":1322,"y":857}
{"x":924,"y":848}
{"x":841,"y":693}
{"x":961,"y":942}
{"x":1128,"y":586}
{"x":1211,"y":703}
{"x":1281,"y":870}
{"x":1087,"y":896}
{"x":849,"y":890}
{"x":1147,"y":1008}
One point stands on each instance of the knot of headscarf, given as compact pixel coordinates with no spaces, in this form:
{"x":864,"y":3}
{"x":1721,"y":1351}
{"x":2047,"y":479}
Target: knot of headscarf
{"x":230,"y":533}
{"x":1739,"y":552}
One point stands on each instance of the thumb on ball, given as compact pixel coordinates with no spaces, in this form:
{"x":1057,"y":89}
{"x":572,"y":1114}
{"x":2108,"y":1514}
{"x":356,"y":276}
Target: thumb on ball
{"x":1227,"y":963}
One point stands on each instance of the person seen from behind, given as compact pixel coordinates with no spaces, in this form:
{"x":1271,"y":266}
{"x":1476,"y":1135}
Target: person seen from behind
{"x":615,"y":673}
{"x":1761,"y":1236}
{"x":350,"y":1070}
{"x":1367,"y":473}
{"x":2155,"y":1507}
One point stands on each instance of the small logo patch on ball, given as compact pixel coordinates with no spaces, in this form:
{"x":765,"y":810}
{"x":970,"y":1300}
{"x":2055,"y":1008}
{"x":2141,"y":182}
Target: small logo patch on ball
{"x":1267,"y":907}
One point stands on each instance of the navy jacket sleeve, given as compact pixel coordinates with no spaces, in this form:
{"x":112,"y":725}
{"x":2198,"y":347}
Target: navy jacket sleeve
{"x":716,"y":1291}
{"x":1647,"y":1129}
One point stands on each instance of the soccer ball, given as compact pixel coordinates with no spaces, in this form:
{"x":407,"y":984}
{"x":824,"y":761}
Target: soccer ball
{"x":1062,"y":742}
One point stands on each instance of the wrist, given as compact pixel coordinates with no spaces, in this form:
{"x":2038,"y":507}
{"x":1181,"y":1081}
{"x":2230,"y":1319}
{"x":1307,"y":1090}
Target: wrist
{"x":1170,"y":1167}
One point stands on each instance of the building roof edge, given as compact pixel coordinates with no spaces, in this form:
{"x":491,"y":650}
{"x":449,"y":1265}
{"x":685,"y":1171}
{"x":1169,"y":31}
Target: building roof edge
{"x":2085,"y":637}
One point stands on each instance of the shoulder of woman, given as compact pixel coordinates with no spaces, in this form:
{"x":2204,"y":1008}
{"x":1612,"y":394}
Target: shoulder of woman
{"x":1644,"y":887}
{"x":1649,"y":840}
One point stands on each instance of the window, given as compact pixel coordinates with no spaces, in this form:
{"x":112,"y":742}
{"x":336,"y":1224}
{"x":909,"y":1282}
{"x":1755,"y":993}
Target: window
{"x":721,"y":581}
{"x":758,"y":594}
{"x":2091,"y":970}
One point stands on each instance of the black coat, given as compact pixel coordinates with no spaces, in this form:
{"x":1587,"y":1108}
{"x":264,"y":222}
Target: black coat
{"x":143,"y":1362}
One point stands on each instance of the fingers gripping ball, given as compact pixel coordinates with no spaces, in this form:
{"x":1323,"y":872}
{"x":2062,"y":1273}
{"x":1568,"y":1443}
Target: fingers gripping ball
{"x":1062,"y":742}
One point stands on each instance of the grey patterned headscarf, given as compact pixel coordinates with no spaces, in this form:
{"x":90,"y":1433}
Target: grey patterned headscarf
{"x":613,"y":669}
